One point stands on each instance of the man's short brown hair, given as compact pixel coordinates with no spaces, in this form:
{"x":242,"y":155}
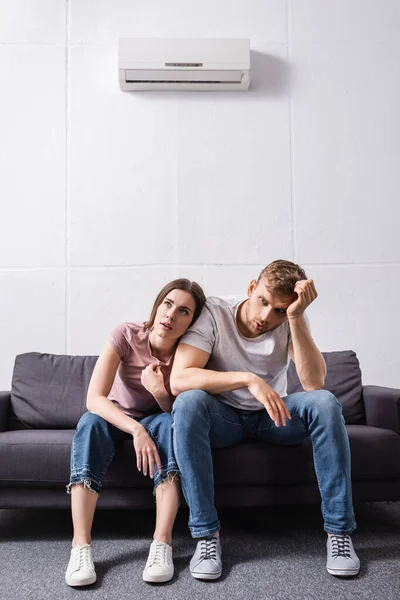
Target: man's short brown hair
{"x":282,"y":276}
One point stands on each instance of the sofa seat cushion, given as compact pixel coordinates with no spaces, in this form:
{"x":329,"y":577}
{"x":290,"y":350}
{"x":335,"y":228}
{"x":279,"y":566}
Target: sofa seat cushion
{"x":41,"y":458}
{"x":375,"y":455}
{"x":343,"y":380}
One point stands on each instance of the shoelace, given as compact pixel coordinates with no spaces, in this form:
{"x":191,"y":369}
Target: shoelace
{"x":82,"y":558}
{"x":340,"y":546}
{"x":158,"y":555}
{"x":208,"y":548}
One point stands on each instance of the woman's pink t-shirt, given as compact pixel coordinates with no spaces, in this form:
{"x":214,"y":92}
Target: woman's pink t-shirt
{"x":131,"y":343}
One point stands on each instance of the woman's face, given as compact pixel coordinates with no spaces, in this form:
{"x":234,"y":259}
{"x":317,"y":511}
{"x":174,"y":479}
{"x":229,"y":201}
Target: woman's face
{"x":174,"y":315}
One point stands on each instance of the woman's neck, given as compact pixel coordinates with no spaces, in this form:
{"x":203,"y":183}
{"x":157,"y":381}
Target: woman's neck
{"x":159,"y":348}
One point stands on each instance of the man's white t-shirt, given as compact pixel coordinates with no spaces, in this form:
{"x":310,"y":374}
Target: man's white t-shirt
{"x":267,"y":356}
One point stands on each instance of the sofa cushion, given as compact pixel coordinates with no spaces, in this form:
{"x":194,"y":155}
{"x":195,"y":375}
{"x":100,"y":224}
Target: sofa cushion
{"x":375,"y":455}
{"x":343,"y":380}
{"x":41,"y":458}
{"x":48,"y":391}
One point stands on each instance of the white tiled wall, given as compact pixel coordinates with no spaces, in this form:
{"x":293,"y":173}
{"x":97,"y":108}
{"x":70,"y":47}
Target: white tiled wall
{"x":106,"y":196}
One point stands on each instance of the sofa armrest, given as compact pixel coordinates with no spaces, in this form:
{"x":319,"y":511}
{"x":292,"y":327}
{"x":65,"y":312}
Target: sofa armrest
{"x":5,"y":403}
{"x":382,"y":407}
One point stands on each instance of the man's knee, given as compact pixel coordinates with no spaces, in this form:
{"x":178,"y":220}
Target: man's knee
{"x":189,"y":404}
{"x":323,"y":401}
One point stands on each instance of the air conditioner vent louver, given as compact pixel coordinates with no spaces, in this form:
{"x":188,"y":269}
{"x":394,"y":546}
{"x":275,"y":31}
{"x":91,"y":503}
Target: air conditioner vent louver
{"x":183,"y":64}
{"x":186,"y":65}
{"x":178,"y":82}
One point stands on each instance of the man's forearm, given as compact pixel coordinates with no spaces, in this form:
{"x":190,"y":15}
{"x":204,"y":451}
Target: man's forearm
{"x":310,"y":364}
{"x":213,"y":382}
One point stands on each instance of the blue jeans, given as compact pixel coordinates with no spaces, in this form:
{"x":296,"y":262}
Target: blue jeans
{"x":202,"y":422}
{"x":93,"y":448}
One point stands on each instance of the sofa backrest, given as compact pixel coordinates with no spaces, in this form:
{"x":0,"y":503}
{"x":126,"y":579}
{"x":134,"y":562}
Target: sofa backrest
{"x":49,"y":390}
{"x":343,"y":379}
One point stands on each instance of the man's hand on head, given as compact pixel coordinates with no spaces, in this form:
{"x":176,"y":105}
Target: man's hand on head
{"x":306,"y":293}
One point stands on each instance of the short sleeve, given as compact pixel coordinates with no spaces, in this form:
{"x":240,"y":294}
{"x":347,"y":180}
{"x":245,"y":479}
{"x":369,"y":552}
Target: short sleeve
{"x":202,"y":334}
{"x":307,"y":320}
{"x":118,"y":340}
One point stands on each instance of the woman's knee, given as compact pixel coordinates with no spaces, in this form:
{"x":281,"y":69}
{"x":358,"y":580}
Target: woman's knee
{"x":159,"y":425}
{"x":89,"y":422}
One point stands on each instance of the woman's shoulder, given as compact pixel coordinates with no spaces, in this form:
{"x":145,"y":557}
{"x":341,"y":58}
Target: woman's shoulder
{"x":131,"y":329}
{"x":128,"y":336}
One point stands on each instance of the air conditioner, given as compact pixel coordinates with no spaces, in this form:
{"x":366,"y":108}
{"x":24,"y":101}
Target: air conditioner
{"x":183,"y":64}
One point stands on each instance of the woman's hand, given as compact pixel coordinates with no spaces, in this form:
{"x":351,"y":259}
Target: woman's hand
{"x":146,"y":452}
{"x":153,"y":379}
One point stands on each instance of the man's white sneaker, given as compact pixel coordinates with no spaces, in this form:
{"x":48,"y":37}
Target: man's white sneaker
{"x":206,"y":562}
{"x":342,"y":559}
{"x":80,"y":569}
{"x":159,"y":567}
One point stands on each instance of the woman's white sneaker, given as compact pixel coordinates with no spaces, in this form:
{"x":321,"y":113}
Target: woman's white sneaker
{"x":159,"y":567}
{"x":81,"y":569}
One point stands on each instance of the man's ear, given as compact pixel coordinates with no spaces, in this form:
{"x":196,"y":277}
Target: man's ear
{"x":252,"y":287}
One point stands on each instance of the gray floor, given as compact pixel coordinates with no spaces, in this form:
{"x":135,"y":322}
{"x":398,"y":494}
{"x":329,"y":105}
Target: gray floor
{"x":274,"y":553}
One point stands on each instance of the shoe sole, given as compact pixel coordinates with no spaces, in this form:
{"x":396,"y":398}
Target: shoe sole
{"x":206,"y":576}
{"x":343,"y":573}
{"x":158,"y":578}
{"x":74,"y":583}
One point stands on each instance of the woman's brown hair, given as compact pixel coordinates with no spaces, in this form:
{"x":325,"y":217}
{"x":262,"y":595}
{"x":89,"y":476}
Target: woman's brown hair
{"x":185,"y":285}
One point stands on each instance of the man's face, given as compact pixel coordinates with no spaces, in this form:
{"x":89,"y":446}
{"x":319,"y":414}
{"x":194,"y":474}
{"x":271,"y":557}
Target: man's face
{"x":264,"y":310}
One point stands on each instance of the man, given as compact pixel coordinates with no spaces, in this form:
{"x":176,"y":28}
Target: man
{"x":230,"y":374}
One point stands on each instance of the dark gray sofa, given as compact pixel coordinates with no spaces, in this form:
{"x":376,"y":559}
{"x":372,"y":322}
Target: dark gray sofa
{"x":38,"y":417}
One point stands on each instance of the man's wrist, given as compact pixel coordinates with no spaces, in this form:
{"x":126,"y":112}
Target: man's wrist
{"x":136,"y":427}
{"x":250,"y":379}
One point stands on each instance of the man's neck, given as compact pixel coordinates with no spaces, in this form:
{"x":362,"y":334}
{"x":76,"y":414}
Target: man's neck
{"x":241,"y":321}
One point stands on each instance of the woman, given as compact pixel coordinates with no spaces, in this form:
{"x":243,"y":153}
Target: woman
{"x":129,"y":394}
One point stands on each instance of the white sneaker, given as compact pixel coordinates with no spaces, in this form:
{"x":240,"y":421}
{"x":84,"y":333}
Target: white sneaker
{"x":341,"y":557}
{"x":159,"y":567}
{"x":80,"y":569}
{"x":206,"y":562}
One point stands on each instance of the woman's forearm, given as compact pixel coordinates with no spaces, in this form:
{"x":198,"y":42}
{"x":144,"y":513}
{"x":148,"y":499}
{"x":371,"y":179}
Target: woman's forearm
{"x":105,"y":408}
{"x":164,"y":399}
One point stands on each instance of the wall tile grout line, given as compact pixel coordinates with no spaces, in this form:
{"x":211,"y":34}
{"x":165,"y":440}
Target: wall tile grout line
{"x":177,"y":181}
{"x":291,"y":134}
{"x":67,"y":169}
{"x":5,"y":269}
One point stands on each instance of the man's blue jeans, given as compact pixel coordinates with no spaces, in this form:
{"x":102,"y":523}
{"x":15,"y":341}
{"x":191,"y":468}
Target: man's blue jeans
{"x":93,"y":448}
{"x":202,"y":422}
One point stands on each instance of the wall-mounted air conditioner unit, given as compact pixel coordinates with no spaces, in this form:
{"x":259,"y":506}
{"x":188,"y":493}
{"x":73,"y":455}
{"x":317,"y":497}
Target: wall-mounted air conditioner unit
{"x":184,"y":64}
